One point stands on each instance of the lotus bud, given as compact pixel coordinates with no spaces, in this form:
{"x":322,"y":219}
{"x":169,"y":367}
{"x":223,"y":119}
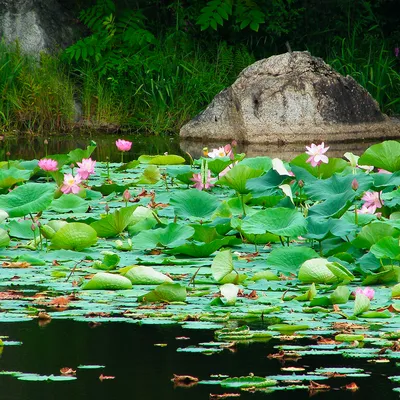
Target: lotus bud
{"x":234,"y":143}
{"x":8,"y":154}
{"x":126,"y":195}
{"x":107,"y":208}
{"x":205,"y":151}
{"x":33,"y":226}
{"x":354,"y":184}
{"x":46,"y":142}
{"x":301,"y":183}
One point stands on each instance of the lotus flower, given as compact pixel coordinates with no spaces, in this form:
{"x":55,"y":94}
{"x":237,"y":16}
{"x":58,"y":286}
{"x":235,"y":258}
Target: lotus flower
{"x":203,"y":182}
{"x":372,"y":201}
{"x":47,"y":164}
{"x":86,"y":167}
{"x":225,"y":151}
{"x":369,"y":292}
{"x":71,"y":184}
{"x":123,"y":145}
{"x":383,"y":171}
{"x":317,"y":154}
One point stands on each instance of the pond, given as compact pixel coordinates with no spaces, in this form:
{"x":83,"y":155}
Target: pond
{"x":258,"y":286}
{"x":144,"y":371}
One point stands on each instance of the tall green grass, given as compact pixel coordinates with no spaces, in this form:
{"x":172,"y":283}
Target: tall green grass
{"x":372,"y":64}
{"x":35,"y":93}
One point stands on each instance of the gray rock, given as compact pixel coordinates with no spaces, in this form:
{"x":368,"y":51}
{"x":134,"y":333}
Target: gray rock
{"x":288,"y":98}
{"x":38,"y":25}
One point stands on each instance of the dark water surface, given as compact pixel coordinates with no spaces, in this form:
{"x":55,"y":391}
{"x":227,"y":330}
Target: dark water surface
{"x":29,"y":147}
{"x":144,"y":371}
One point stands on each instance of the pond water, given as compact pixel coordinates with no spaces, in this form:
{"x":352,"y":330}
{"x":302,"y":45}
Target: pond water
{"x":144,"y":371}
{"x":28,"y":147}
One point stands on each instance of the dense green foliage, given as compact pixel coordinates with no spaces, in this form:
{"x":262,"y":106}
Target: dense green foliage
{"x":153,"y":66}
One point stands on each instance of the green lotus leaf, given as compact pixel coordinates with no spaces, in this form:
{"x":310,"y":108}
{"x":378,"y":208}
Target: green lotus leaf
{"x":387,"y":247}
{"x":107,"y":281}
{"x":324,"y":170}
{"x":387,"y":274}
{"x":266,"y":185}
{"x":129,"y":165}
{"x":237,"y":177}
{"x":247,"y":382}
{"x":309,"y":295}
{"x":168,"y":159}
{"x":140,"y":275}
{"x":106,"y":189}
{"x":173,"y":235}
{"x":27,"y":199}
{"x":385,"y":155}
{"x":396,"y":290}
{"x":4,"y":238}
{"x":166,"y":292}
{"x":279,"y":221}
{"x":222,"y":264}
{"x":194,"y":203}
{"x":74,"y":236}
{"x":317,"y":271}
{"x":217,"y":165}
{"x":334,"y":206}
{"x":110,"y":261}
{"x":286,"y":328}
{"x":196,"y":249}
{"x":150,"y":175}
{"x":78,"y":154}
{"x":3,"y":216}
{"x":287,"y":260}
{"x":260,"y":163}
{"x":372,"y":233}
{"x":361,"y":304}
{"x":341,"y":273}
{"x":340,"y":295}
{"x":69,"y":202}
{"x":345,"y":337}
{"x":56,"y":224}
{"x":115,"y":223}
{"x":9,"y":177}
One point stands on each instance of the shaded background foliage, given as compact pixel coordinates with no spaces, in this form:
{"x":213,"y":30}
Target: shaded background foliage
{"x":152,"y":65}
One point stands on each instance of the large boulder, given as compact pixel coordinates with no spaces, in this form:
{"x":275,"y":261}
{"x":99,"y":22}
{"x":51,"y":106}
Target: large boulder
{"x":288,"y":98}
{"x":39,"y":25}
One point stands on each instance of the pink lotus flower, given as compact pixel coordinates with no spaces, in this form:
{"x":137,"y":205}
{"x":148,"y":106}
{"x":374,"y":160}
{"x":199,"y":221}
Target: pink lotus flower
{"x":71,"y":184}
{"x":123,"y":145}
{"x":383,"y":171}
{"x":369,"y":292}
{"x":47,"y":164}
{"x":317,"y":154}
{"x":225,"y":151}
{"x":372,"y":201}
{"x":86,"y":167}
{"x":201,"y":182}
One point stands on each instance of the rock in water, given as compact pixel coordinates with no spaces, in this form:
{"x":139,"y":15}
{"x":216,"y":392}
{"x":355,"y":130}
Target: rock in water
{"x":292,"y":97}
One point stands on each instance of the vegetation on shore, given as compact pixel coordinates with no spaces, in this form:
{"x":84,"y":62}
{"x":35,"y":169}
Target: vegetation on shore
{"x":151,"y":68}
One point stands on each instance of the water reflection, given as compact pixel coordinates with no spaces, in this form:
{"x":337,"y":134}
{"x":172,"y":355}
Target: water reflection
{"x":26,"y":147}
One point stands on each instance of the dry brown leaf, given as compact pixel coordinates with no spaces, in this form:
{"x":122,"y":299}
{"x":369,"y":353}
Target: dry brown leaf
{"x":67,"y":371}
{"x":15,"y":264}
{"x":184,"y":380}
{"x":223,"y":395}
{"x":351,"y":387}
{"x":106,"y":377}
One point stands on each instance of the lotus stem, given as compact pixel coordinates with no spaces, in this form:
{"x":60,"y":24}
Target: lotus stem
{"x":281,"y":239}
{"x":194,"y":277}
{"x":242,"y":202}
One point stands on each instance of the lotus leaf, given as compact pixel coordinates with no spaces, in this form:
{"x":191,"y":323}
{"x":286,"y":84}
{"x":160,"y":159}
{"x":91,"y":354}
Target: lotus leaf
{"x":169,"y":159}
{"x":361,"y":304}
{"x":140,"y":275}
{"x":9,"y":177}
{"x":69,"y":202}
{"x":107,"y":281}
{"x":4,"y":238}
{"x":317,"y":271}
{"x":115,"y":223}
{"x":237,"y":177}
{"x":222,"y":264}
{"x":27,"y":199}
{"x":166,"y":292}
{"x":194,"y":203}
{"x":74,"y":236}
{"x":385,"y":155}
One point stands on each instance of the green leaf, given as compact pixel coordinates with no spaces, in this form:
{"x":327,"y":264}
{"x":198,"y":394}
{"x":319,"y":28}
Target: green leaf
{"x":173,"y":235}
{"x":361,"y":304}
{"x":237,"y":177}
{"x":166,"y":292}
{"x":150,"y":175}
{"x":222,"y":264}
{"x":110,"y":261}
{"x":340,"y":295}
{"x":107,"y":281}
{"x":22,"y":229}
{"x":316,"y":270}
{"x":279,"y":221}
{"x":9,"y":177}
{"x":78,"y":154}
{"x":247,"y":382}
{"x":194,"y":203}
{"x":115,"y":223}
{"x":324,"y":170}
{"x":69,"y":202}
{"x":372,"y":233}
{"x":288,"y":259}
{"x":27,"y":199}
{"x":4,"y":238}
{"x":385,"y":155}
{"x":196,"y":249}
{"x":387,"y":247}
{"x":168,"y":159}
{"x":74,"y":236}
{"x":140,"y":275}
